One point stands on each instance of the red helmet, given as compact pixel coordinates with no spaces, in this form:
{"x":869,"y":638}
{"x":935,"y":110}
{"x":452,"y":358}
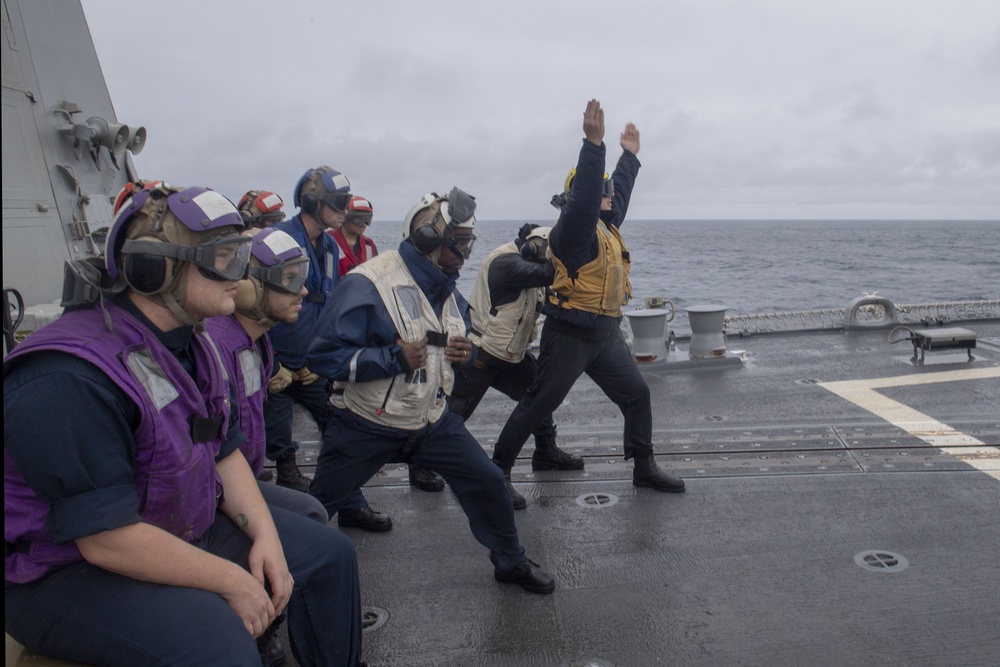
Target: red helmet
{"x":261,"y":208}
{"x":359,"y":211}
{"x":131,"y":188}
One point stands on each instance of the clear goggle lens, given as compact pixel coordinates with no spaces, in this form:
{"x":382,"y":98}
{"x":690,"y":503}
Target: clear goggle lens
{"x":225,"y":259}
{"x":289,"y":277}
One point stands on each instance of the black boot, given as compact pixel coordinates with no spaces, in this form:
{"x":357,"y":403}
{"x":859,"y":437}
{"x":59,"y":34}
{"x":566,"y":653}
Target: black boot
{"x":289,"y":475}
{"x":272,"y":651}
{"x":529,"y":576}
{"x":519,"y":502}
{"x":425,"y":479}
{"x":647,"y":473}
{"x":365,"y":518}
{"x":548,"y":456}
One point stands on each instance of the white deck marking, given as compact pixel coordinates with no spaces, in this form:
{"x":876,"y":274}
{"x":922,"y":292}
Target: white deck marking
{"x":970,"y":450}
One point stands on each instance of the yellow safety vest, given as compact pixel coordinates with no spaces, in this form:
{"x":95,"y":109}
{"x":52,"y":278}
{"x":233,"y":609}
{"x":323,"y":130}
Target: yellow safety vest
{"x":602,"y":285}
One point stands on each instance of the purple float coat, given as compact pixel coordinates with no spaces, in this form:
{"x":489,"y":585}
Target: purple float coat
{"x":175,"y":477}
{"x":250,"y":390}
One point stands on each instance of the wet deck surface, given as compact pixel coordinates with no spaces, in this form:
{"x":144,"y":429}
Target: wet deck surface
{"x":762,"y":560}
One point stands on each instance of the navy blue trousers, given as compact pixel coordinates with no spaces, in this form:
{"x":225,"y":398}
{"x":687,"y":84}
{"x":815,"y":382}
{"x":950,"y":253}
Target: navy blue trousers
{"x":278,"y":423}
{"x":278,"y":415}
{"x":85,"y":613}
{"x":512,"y":380}
{"x":351,"y":456}
{"x":602,"y":355}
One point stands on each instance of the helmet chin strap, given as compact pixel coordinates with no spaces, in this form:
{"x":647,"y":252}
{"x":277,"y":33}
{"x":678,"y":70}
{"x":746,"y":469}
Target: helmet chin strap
{"x":259,"y":312}
{"x":173,"y":303}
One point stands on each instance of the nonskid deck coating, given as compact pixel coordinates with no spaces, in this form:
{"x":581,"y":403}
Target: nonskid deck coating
{"x":788,"y":482}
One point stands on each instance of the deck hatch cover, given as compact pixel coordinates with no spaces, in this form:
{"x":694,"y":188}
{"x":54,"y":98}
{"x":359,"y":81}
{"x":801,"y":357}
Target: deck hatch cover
{"x":879,"y":560}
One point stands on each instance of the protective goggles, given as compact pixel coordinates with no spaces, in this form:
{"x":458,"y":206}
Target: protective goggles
{"x":360,"y":219}
{"x":270,"y":218}
{"x":608,"y":188}
{"x":290,"y":277}
{"x":462,"y":244}
{"x":226,"y":258}
{"x":461,"y":207}
{"x":338,"y":201}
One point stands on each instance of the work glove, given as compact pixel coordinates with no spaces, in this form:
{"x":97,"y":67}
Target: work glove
{"x":305,"y":376}
{"x":280,"y":379}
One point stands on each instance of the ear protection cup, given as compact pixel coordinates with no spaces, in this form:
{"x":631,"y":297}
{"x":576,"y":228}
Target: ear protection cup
{"x":529,"y":251}
{"x":309,"y":203}
{"x":147,"y":274}
{"x":425,"y":239}
{"x":247,"y":294}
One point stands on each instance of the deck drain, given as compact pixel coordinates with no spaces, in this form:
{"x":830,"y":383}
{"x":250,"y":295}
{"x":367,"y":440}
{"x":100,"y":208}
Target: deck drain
{"x":373,"y":618}
{"x":714,"y":418}
{"x":597,"y":500}
{"x":881,"y":561}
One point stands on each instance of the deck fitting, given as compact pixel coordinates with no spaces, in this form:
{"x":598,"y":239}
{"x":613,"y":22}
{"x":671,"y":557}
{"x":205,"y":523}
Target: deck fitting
{"x":599,"y":499}
{"x":879,"y":560}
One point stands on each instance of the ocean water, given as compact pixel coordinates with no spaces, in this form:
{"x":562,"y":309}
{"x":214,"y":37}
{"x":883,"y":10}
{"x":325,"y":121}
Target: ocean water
{"x":755,"y":266}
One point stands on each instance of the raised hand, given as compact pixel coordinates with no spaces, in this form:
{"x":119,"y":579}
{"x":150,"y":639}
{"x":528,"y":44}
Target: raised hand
{"x":630,"y":139}
{"x":593,"y":123}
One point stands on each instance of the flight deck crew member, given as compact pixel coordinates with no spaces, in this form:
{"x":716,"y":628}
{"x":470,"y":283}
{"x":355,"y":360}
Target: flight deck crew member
{"x":272,"y":292}
{"x":583,"y":314}
{"x":261,"y":209}
{"x":506,"y":300}
{"x":322,"y":195}
{"x":394,"y":330}
{"x":356,"y":248}
{"x":135,"y":532}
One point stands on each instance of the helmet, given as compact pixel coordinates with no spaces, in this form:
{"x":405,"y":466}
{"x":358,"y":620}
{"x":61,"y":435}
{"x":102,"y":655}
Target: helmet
{"x":559,"y":200}
{"x":261,"y":208}
{"x":159,"y":230}
{"x":359,"y":211}
{"x":322,"y":185}
{"x":277,"y":262}
{"x":433,"y":216}
{"x":129,"y":188}
{"x":535,"y":252}
{"x":539,"y":233}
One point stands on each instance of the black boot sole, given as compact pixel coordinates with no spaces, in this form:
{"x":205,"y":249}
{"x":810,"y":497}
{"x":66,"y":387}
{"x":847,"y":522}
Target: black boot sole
{"x":436,"y":488}
{"x":505,"y":578}
{"x":368,"y":527}
{"x":663,"y":489}
{"x":549,"y":465}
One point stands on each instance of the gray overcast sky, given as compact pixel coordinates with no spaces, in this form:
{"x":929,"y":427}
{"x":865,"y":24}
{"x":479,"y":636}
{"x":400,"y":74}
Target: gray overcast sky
{"x":747,"y":109}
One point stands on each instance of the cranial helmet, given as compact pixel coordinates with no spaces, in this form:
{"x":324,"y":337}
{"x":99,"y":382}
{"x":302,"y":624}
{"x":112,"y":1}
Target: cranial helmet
{"x":322,"y":185}
{"x":433,"y":216}
{"x":559,"y":200}
{"x":534,"y":251}
{"x":261,"y":208}
{"x":359,"y":211}
{"x":277,"y":262}
{"x":160,"y":230}
{"x":129,"y":189}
